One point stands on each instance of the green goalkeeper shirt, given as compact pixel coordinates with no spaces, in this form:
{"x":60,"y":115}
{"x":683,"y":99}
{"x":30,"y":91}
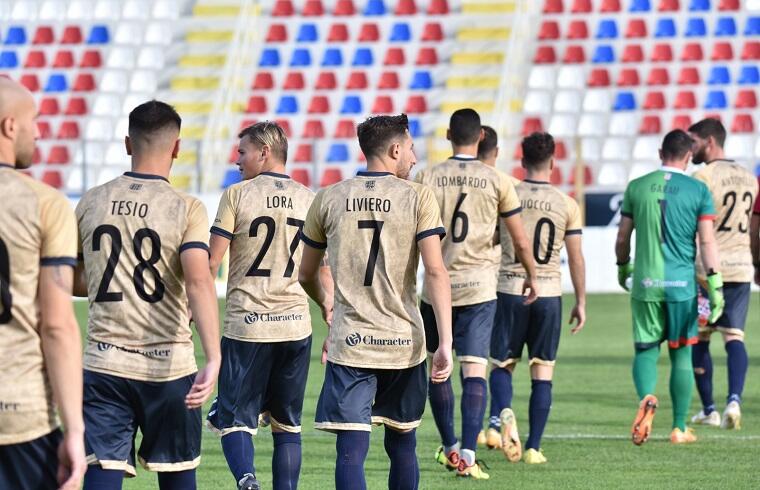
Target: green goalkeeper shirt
{"x":665,"y":206}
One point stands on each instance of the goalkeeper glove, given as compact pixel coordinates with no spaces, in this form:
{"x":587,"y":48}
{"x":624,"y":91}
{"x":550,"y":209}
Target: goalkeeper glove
{"x":715,"y":293}
{"x":625,"y":271}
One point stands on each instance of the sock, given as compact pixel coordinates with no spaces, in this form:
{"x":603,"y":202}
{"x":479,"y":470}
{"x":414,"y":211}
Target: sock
{"x":681,"y":384}
{"x":700,"y":357}
{"x":645,"y":371}
{"x":405,"y":471}
{"x":442,"y":404}
{"x":286,"y":460}
{"x":177,"y":480}
{"x":538,"y":411}
{"x":238,"y":451}
{"x":737,"y":369}
{"x":352,"y":447}
{"x":96,"y":478}
{"x":468,"y":455}
{"x":473,"y":409}
{"x":500,"y":384}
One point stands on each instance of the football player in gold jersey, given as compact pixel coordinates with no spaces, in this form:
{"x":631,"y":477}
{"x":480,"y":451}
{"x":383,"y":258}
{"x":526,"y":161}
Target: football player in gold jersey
{"x":40,"y":348}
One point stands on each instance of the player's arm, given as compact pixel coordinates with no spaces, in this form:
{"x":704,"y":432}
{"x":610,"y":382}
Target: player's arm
{"x":623,"y":250}
{"x":754,"y":244}
{"x":523,"y":253}
{"x":315,"y":278}
{"x":218,"y":246}
{"x":80,"y":280}
{"x":62,"y":349}
{"x":708,"y":247}
{"x":438,"y":286}
{"x":577,"y":265}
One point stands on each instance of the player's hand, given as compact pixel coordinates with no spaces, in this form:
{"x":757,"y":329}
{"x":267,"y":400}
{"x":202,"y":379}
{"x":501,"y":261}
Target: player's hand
{"x":324,"y":348}
{"x":203,"y":385}
{"x":327,"y":309}
{"x":578,"y":313}
{"x":72,"y":462}
{"x":715,"y":293}
{"x":442,"y":365}
{"x":625,"y":271}
{"x":529,"y":284}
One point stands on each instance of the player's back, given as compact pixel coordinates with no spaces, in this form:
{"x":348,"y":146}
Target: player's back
{"x":734,"y":189}
{"x":36,"y":229}
{"x":371,"y":225}
{"x":132,"y":231}
{"x":548,"y":215}
{"x":263,"y":217}
{"x":471,"y":197}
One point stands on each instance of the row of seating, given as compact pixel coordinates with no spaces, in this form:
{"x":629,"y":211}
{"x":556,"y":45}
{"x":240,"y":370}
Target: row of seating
{"x":586,"y":6}
{"x":368,"y":32}
{"x":634,"y":53}
{"x":356,"y":80}
{"x":687,"y":75}
{"x":648,"y":124}
{"x":63,"y":58}
{"x":16,"y":35}
{"x":333,"y":56}
{"x":314,"y":8}
{"x":685,"y":99}
{"x":55,"y":10}
{"x":110,"y":81}
{"x":351,"y":104}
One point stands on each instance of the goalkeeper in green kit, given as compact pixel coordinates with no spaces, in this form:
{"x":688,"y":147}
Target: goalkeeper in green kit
{"x":668,"y":210}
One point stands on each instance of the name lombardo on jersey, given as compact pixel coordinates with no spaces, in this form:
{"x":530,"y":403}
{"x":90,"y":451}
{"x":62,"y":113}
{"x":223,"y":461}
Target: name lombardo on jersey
{"x":355,"y":338}
{"x":254,"y":317}
{"x":461,"y":181}
{"x":153,"y":353}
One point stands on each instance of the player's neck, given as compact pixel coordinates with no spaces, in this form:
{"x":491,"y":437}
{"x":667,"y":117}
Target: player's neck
{"x":718,"y":154}
{"x":469,"y":150}
{"x":538,"y":175}
{"x":274,"y":168}
{"x":681,"y":166}
{"x":150,"y":166}
{"x":379,"y":166}
{"x":7,"y":157}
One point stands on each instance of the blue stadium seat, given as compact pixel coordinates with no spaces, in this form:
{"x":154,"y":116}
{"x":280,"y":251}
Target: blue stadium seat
{"x":665,"y":28}
{"x":300,"y":57}
{"x":352,"y":104}
{"x":231,"y":176}
{"x":415,"y":130}
{"x":307,"y":33}
{"x":607,"y":29}
{"x":332,"y":57}
{"x":753,"y":26}
{"x":401,"y":32}
{"x":270,"y":57}
{"x":362,"y":57}
{"x":288,"y":104}
{"x":699,"y":5}
{"x":374,"y":7}
{"x":8,"y":59}
{"x":749,"y":75}
{"x":716,"y":99}
{"x":725,"y":26}
{"x":695,"y":27}
{"x":719,"y":75}
{"x":757,"y":170}
{"x":421,"y":80}
{"x":640,"y":6}
{"x":56,"y":83}
{"x":16,"y":35}
{"x":338,"y":152}
{"x":624,"y":101}
{"x":603,"y":54}
{"x":98,"y":35}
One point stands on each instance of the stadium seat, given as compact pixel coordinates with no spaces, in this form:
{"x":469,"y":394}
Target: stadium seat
{"x":313,"y":8}
{"x":746,"y":99}
{"x":330,"y":176}
{"x":575,"y":54}
{"x":749,"y":75}
{"x":8,"y":59}
{"x":607,"y":29}
{"x":665,"y":27}
{"x":662,"y":52}
{"x":438,"y":7}
{"x":374,"y":7}
{"x":313,"y":128}
{"x":68,"y":130}
{"x":98,"y":35}
{"x":633,"y":54}
{"x":545,"y":54}
{"x":84,"y":82}
{"x":233,"y":154}
{"x":307,"y":33}
{"x":35,"y":59}
{"x":668,"y":6}
{"x":269,"y":57}
{"x":688,"y":76}
{"x":388,"y":80}
{"x":639,"y":6}
{"x":383,"y":105}
{"x":337,"y":33}
{"x":332,"y":57}
{"x":415,"y":128}
{"x":742,"y":123}
{"x":728,"y":5}
{"x":256,"y":105}
{"x":362,"y":57}
{"x":692,"y":52}
{"x":751,"y":50}
{"x":695,"y":27}
{"x":30,"y":81}
{"x":52,"y":178}
{"x":301,"y":175}
{"x":357,"y":80}
{"x":421,"y":80}
{"x":519,"y":173}
{"x":427,"y":56}
{"x":681,"y":121}
{"x":231,"y":177}
{"x":650,"y":124}
{"x":283,"y":8}
{"x":71,"y":35}
{"x":571,"y":76}
{"x":610,"y":6}
{"x":658,"y":76}
{"x":16,"y":36}
{"x":685,"y":99}
{"x":722,"y":51}
{"x":344,"y":8}
{"x":699,"y":5}
{"x":300,"y":57}
{"x":337,"y":153}
{"x":288,"y":104}
{"x":43,"y":127}
{"x":405,"y":7}
{"x":263,"y":81}
{"x":59,"y":155}
{"x":549,"y":30}
{"x":654,"y":100}
{"x":637,"y":28}
{"x":577,"y":29}
{"x":716,"y":99}
{"x":725,"y":26}
{"x":303,"y":153}
{"x":752,"y":28}
{"x":531,"y":125}
{"x":415,"y":104}
{"x":43,"y":35}
{"x":277,"y":33}
{"x":91,"y":59}
{"x":36,"y":156}
{"x":294,"y":81}
{"x":599,"y":77}
{"x":285,"y":125}
{"x":345,"y":129}
{"x":369,"y":33}
{"x":581,"y":6}
{"x":588,"y":176}
{"x":628,"y":77}
{"x":56,"y":83}
{"x":432,"y":31}
{"x":400,"y":32}
{"x":319,"y":104}
{"x":719,"y":75}
{"x":352,"y":104}
{"x":624,"y":101}
{"x":553,"y":7}
{"x":326,"y":81}
{"x":49,"y":106}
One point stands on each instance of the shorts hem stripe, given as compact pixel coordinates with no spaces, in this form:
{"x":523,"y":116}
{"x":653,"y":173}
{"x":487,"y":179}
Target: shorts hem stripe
{"x":161,"y":467}
{"x":293,"y":429}
{"x":504,"y":363}
{"x":377,"y":420}
{"x":682,"y":342}
{"x":333,"y":426}
{"x":473,"y":359}
{"x":541,"y":362}
{"x":108,"y":464}
{"x":230,"y":430}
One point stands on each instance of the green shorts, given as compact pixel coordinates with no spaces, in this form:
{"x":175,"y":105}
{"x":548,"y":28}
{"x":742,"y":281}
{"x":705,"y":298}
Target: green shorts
{"x":657,"y":321}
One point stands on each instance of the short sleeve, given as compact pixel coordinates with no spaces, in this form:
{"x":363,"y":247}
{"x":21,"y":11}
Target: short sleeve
{"x":196,"y":235}
{"x":574,"y":221}
{"x":313,"y":233}
{"x":420,"y":176}
{"x":224,"y":223}
{"x":707,"y":206}
{"x":428,"y":214}
{"x":78,"y":212}
{"x":509,"y":203}
{"x":626,"y":209}
{"x":756,"y":209}
{"x":58,"y":230}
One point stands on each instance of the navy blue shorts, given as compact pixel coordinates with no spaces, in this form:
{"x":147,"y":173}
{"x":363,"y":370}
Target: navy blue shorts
{"x":115,"y":407}
{"x":355,"y":398}
{"x":31,"y":465}
{"x":539,"y":325}
{"x":258,"y":377}
{"x":734,"y":315}
{"x":471,"y":327}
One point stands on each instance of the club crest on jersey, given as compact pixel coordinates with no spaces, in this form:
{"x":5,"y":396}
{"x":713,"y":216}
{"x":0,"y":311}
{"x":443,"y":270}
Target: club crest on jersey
{"x":369,"y":185}
{"x":667,"y":176}
{"x":647,"y":283}
{"x":135,"y":187}
{"x":279,"y":185}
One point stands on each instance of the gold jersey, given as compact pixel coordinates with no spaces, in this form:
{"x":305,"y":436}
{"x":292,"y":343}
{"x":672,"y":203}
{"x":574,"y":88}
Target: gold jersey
{"x":471,"y":196}
{"x":263,"y":217}
{"x":734,"y":189}
{"x":548,"y":215}
{"x":132,"y":231}
{"x":370,"y":226}
{"x":37,"y":228}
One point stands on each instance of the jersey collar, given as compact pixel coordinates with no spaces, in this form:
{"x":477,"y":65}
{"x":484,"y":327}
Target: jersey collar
{"x":137,"y":175}
{"x":531,"y":181}
{"x":276,"y":175}
{"x":365,"y":173}
{"x":720,"y":160}
{"x":6,"y":165}
{"x":462,"y":157}
{"x":667,"y":168}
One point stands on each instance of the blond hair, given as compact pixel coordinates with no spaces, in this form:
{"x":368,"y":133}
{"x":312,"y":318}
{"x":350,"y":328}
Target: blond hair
{"x":270,"y":134}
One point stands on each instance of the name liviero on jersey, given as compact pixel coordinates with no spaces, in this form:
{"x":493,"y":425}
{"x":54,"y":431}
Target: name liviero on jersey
{"x":254,"y":317}
{"x":355,"y":339}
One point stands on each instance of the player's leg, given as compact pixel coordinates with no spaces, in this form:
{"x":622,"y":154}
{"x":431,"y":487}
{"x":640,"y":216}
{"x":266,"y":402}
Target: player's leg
{"x":648,"y":332}
{"x":681,"y":321}
{"x":500,"y":379}
{"x":30,"y":465}
{"x":110,"y":425}
{"x":401,"y":446}
{"x":287,"y":385}
{"x":731,"y":325}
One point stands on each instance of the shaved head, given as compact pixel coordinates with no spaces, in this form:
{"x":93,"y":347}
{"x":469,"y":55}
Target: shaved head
{"x":18,"y":129}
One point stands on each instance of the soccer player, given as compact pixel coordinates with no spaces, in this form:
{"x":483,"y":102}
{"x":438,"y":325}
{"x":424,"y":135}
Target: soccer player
{"x":488,"y":148}
{"x":668,"y":209}
{"x":472,"y":196}
{"x":733,"y":189}
{"x":144,"y":247}
{"x":374,"y":227}
{"x":40,"y":348}
{"x":266,"y":345}
{"x":553,"y":219}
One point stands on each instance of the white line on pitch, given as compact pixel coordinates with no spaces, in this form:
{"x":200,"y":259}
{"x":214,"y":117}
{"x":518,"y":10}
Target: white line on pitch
{"x":621,"y":437}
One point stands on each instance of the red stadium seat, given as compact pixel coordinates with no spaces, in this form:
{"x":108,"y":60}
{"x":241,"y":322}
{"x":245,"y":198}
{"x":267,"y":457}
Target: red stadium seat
{"x":36,"y":156}
{"x":658,"y":76}
{"x":427,"y":56}
{"x":746,"y":99}
{"x":531,"y":125}
{"x":283,"y":8}
{"x":581,"y":6}
{"x":577,"y":29}
{"x":549,"y":30}
{"x":722,"y":51}
{"x":633,"y":54}
{"x":63,"y":59}
{"x":246,"y":123}
{"x":728,"y":5}
{"x":285,"y":125}
{"x":30,"y":81}
{"x":518,"y":154}
{"x":68,"y":130}
{"x":337,"y":33}
{"x":715,"y":116}
{"x":637,"y":28}
{"x":35,"y":59}
{"x":59,"y":155}
{"x":49,"y":106}
{"x":556,"y":176}
{"x":692,"y":52}
{"x":301,"y":175}
{"x":669,"y":6}
{"x":91,"y":59}
{"x":330,"y":176}
{"x":233,"y":154}
{"x":685,"y":99}
{"x":357,"y":80}
{"x":303,"y":153}
{"x":344,"y":7}
{"x":560,"y":151}
{"x":405,"y":7}
{"x":319,"y":105}
{"x":519,"y":172}
{"x":545,"y":54}
{"x":313,"y":8}
{"x":628,"y":77}
{"x":751,"y":50}
{"x":574,"y":54}
{"x":610,"y":6}
{"x":361,"y":158}
{"x":369,"y":32}
{"x":394,"y":57}
{"x":438,"y":7}
{"x":650,"y":125}
{"x":662,"y":52}
{"x":654,"y":100}
{"x":256,"y":105}
{"x":326,"y":81}
{"x":43,"y":127}
{"x":588,"y":176}
{"x":84,"y":82}
{"x":77,"y":106}
{"x":277,"y":33}
{"x":71,"y":35}
{"x":681,"y":121}
{"x":313,"y":129}
{"x":43,"y":35}
{"x":416,"y":104}
{"x":432,"y":32}
{"x":742,"y":123}
{"x":263,"y":81}
{"x":688,"y":75}
{"x":383,"y":105}
{"x":388,"y":80}
{"x":553,"y":6}
{"x":599,"y":77}
{"x":52,"y":178}
{"x":294,"y":81}
{"x":345,"y":129}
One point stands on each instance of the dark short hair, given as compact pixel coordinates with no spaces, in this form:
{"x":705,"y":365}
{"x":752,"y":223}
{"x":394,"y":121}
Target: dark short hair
{"x":488,"y":143}
{"x":710,"y":127}
{"x":464,"y":127}
{"x":149,"y":118}
{"x":676,"y":145}
{"x":537,"y":149}
{"x":377,"y":132}
{"x":268,"y":133}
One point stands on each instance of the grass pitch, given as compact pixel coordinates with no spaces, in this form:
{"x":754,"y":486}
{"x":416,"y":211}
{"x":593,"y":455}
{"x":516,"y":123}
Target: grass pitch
{"x":587,"y":439}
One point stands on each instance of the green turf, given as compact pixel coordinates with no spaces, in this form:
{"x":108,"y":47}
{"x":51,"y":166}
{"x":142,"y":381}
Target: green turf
{"x":586,"y":441}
